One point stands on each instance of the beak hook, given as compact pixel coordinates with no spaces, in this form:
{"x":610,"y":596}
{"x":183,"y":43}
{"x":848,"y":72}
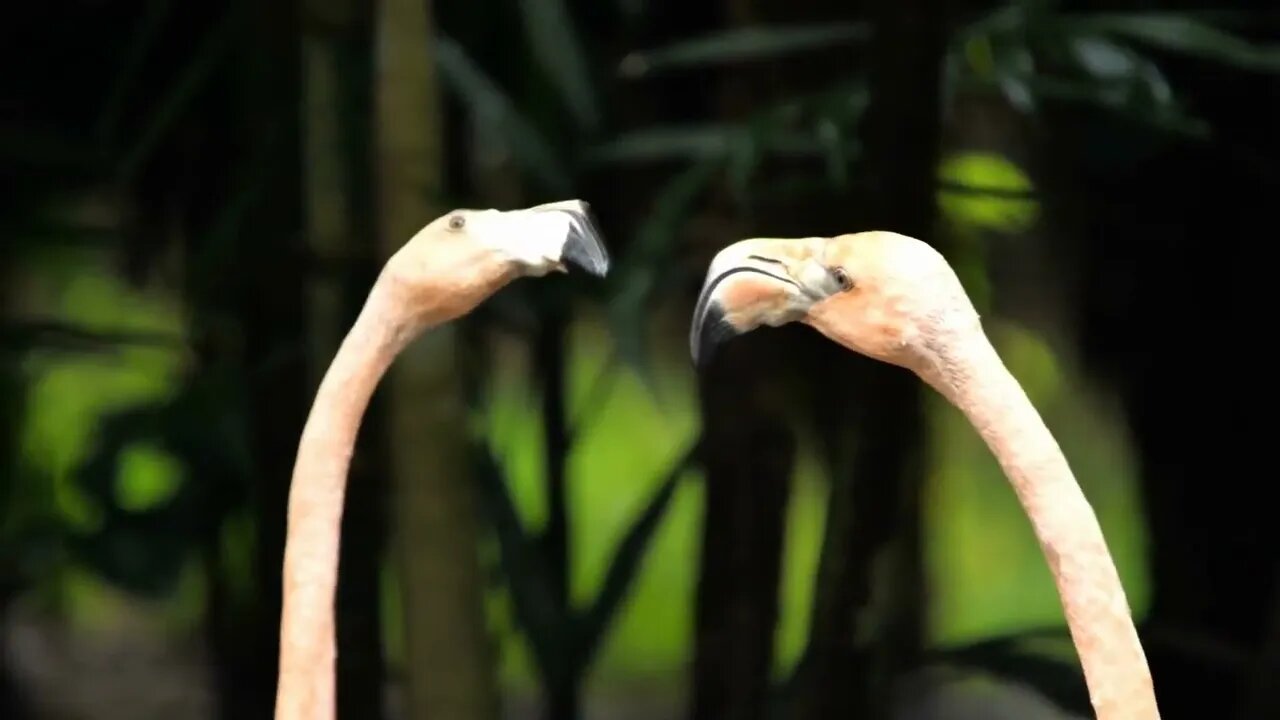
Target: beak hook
{"x":585,"y":245}
{"x":709,"y":330}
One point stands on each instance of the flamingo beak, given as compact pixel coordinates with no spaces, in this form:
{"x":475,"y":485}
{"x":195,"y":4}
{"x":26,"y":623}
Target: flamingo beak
{"x":583,"y":243}
{"x":749,"y":283}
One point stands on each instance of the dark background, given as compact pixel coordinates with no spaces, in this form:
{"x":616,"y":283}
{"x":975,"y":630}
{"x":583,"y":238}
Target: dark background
{"x":551,"y":515}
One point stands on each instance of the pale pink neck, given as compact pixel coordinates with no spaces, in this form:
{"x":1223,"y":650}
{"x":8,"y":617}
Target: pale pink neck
{"x":966,"y":369}
{"x":307,"y":650}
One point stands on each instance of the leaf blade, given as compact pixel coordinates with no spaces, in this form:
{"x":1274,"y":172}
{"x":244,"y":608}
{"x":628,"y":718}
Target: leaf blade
{"x":491,"y":107}
{"x":665,"y":142}
{"x":759,"y":42}
{"x":645,"y":272}
{"x":524,"y":567}
{"x":555,"y":46}
{"x":1181,"y":33}
{"x":594,"y":623}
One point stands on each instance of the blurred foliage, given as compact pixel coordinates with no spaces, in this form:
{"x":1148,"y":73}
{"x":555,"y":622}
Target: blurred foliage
{"x":147,"y":478}
{"x":130,"y":462}
{"x":742,"y":44}
{"x":81,"y":509}
{"x":1027,"y":50}
{"x":67,"y":393}
{"x":979,"y":194}
{"x":647,"y":435}
{"x":987,"y":209}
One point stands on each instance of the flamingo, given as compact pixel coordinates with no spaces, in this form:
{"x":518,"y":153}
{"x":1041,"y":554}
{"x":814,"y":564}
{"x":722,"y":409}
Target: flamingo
{"x":896,"y":299}
{"x":440,"y":274}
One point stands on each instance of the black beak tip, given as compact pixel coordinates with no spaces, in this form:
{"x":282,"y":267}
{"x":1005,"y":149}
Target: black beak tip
{"x":585,"y":246}
{"x":708,"y":333}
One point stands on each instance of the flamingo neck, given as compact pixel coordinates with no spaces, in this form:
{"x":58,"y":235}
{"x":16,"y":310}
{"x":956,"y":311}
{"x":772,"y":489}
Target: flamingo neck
{"x":967,"y":370}
{"x":307,"y":646}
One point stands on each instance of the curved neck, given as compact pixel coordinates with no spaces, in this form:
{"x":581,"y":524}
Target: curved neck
{"x":307,"y":650}
{"x":969,"y":373}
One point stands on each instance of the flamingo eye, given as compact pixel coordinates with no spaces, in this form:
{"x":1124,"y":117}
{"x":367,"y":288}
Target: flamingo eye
{"x":842,"y":277}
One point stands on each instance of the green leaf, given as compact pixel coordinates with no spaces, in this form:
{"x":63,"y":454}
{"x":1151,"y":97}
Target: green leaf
{"x":525,"y":569}
{"x":667,"y":142}
{"x":1014,"y":65}
{"x":491,"y":108}
{"x":596,"y":397}
{"x":760,"y":42}
{"x":1104,"y":59}
{"x":203,"y":62}
{"x":723,"y":141}
{"x":1180,"y":33}
{"x":25,"y":336}
{"x":219,"y":251}
{"x":1088,"y":93}
{"x":1002,"y":20}
{"x":837,"y":152}
{"x":1101,"y":72}
{"x":147,"y":477}
{"x":744,"y":158}
{"x":149,"y":29}
{"x":595,"y":622}
{"x":1008,"y":205}
{"x":646,"y":271}
{"x":1121,"y":81}
{"x":1123,"y":76}
{"x":555,"y":45}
